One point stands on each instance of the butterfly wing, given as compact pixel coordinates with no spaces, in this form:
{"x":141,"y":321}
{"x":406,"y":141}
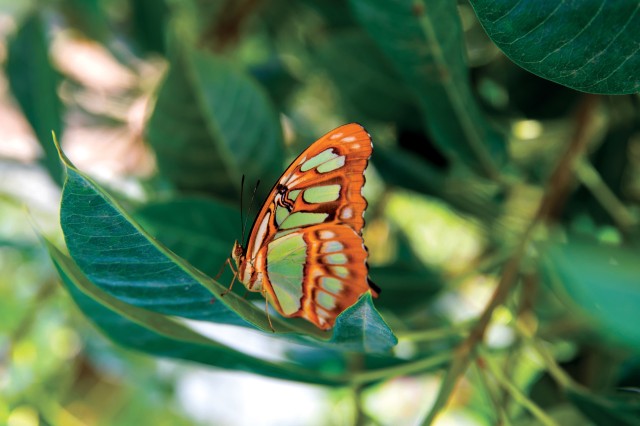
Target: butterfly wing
{"x":306,"y":246}
{"x":316,"y":272}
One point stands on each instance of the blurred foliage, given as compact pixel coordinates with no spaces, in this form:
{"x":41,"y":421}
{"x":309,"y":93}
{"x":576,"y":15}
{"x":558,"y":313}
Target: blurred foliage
{"x":502,"y":224}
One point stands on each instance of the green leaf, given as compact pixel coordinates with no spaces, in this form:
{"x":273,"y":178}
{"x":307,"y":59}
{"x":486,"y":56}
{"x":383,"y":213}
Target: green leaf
{"x":211,"y":124}
{"x":590,"y":46}
{"x":619,"y":410}
{"x":158,"y":335}
{"x":122,"y":259}
{"x":360,"y":328}
{"x":366,"y":81}
{"x":199,"y":230}
{"x":424,"y":43}
{"x":601,"y":282}
{"x":34,"y":83}
{"x":90,"y":18}
{"x":149,"y":23}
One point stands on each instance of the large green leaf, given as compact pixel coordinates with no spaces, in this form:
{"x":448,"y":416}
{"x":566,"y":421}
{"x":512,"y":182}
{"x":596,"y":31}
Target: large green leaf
{"x":158,"y":335}
{"x":125,"y":261}
{"x":591,"y":45}
{"x":199,"y":230}
{"x":423,"y":41}
{"x":599,"y":281}
{"x":211,"y":124}
{"x":34,"y":82}
{"x":369,"y":85}
{"x":149,"y":23}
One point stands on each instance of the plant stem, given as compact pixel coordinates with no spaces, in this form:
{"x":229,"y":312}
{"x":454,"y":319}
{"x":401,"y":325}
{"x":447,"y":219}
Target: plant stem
{"x":502,"y":417}
{"x":591,"y":179}
{"x":454,"y":330}
{"x":515,"y":393}
{"x":558,"y":374}
{"x":414,"y":367}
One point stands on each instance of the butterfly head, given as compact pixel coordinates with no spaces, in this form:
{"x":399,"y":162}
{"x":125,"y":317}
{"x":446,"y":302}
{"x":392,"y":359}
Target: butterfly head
{"x":237,"y":254}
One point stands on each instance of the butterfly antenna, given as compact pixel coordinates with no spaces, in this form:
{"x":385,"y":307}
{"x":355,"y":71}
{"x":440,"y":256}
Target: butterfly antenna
{"x":241,"y":197}
{"x":253,"y":196}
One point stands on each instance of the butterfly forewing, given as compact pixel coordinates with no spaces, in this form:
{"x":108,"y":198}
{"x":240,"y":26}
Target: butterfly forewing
{"x":305,"y":249}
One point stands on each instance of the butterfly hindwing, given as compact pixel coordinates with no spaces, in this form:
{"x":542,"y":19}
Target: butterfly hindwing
{"x":305,"y":248}
{"x":336,"y":273}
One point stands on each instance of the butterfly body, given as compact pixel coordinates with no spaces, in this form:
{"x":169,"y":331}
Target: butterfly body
{"x":305,"y":252}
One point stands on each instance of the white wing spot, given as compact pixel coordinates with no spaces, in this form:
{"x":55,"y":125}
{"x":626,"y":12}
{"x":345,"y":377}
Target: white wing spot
{"x":349,"y":139}
{"x":355,"y":146}
{"x":332,"y":246}
{"x":335,"y":136}
{"x":327,"y":235}
{"x":347,"y":213}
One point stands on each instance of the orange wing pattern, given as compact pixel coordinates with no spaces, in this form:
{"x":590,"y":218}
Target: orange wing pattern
{"x":305,"y":250}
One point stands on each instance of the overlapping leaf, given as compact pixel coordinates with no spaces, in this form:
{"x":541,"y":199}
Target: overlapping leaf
{"x":116,"y":254}
{"x":360,"y":328}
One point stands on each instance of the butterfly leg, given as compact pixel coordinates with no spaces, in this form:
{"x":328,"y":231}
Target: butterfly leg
{"x":235,"y":275}
{"x":225,"y":263}
{"x":228,"y":290}
{"x":266,"y":310}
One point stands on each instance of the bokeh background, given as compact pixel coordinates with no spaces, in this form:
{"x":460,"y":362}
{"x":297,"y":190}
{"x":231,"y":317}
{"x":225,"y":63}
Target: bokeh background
{"x":484,"y":176}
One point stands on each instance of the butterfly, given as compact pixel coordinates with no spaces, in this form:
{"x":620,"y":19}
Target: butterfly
{"x":305,"y":252}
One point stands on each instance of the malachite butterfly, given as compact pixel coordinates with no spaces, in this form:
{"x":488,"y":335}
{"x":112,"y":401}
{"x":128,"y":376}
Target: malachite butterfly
{"x":305,"y":252}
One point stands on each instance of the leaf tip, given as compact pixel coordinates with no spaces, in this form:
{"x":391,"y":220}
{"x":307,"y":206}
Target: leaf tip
{"x":65,"y":160}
